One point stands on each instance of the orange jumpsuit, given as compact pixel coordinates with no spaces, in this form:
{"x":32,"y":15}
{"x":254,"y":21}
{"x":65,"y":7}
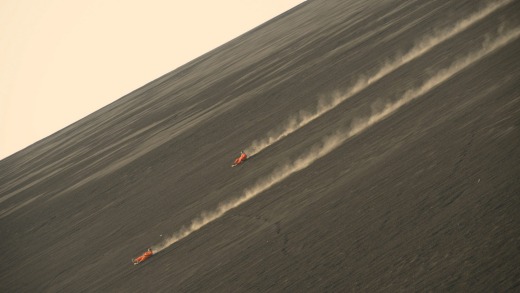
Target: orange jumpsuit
{"x":143,"y":257}
{"x":241,"y":159}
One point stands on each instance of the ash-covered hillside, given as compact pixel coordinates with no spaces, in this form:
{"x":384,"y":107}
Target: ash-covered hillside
{"x":384,"y":152}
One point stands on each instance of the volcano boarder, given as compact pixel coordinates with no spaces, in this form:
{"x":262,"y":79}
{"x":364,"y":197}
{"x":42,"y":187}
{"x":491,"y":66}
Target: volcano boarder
{"x":143,"y":257}
{"x":240,"y":160}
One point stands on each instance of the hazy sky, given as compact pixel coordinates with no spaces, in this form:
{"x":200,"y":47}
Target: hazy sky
{"x":61,"y":60}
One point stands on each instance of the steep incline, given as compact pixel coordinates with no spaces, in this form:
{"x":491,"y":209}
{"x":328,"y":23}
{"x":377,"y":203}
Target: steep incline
{"x":422,"y":197}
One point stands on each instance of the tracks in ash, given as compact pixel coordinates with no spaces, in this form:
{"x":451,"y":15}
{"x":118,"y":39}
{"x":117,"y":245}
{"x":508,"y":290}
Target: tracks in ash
{"x":276,"y":226}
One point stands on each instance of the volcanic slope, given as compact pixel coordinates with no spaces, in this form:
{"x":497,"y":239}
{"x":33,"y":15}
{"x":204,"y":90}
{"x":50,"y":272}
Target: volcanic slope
{"x":424,"y":198}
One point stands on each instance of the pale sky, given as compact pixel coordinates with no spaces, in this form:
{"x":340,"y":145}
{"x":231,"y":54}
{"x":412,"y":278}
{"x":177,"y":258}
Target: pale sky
{"x":61,"y":60}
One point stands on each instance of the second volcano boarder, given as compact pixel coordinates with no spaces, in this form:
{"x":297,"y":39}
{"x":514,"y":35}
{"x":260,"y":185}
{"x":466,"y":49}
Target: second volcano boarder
{"x":143,"y":257}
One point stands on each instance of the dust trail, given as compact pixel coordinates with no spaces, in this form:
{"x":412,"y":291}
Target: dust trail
{"x":333,"y":141}
{"x":302,"y":118}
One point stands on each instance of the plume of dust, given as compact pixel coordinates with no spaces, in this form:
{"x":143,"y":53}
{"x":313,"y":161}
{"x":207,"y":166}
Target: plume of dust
{"x":302,"y":118}
{"x":333,"y":141}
